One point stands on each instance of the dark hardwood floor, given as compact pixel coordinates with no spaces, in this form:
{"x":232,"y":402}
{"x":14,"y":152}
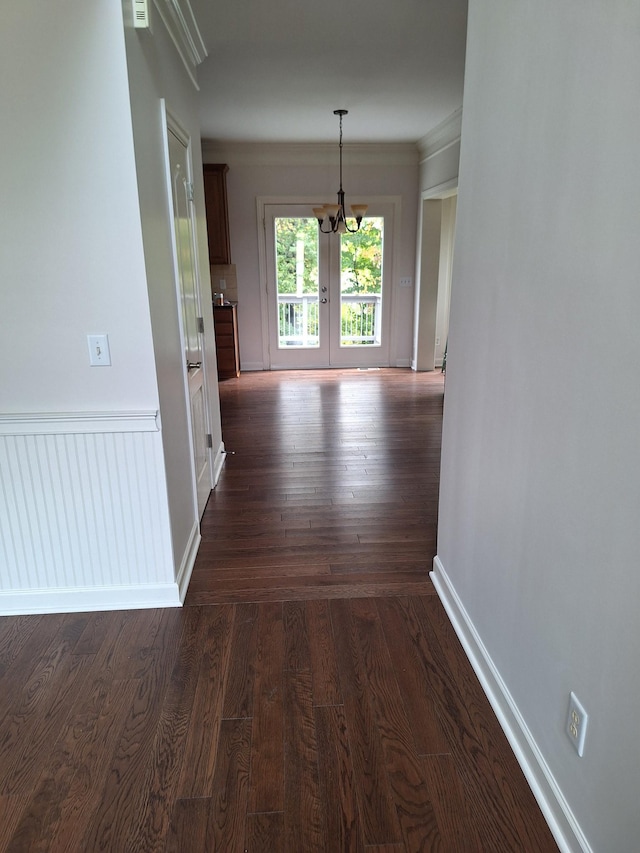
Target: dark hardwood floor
{"x":330,"y":487}
{"x":310,"y":696}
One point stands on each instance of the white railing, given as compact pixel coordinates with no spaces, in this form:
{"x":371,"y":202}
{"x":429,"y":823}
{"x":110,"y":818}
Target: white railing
{"x":298,"y":320}
{"x":360,"y":319}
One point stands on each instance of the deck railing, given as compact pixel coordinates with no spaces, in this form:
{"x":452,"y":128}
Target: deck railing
{"x":298,"y":320}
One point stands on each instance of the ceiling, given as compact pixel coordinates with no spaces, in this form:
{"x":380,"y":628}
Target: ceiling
{"x":277,"y":69}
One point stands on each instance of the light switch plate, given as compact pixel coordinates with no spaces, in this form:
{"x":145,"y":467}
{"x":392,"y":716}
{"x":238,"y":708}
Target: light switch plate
{"x":99,"y":355}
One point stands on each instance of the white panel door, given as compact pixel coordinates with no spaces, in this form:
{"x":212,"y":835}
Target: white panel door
{"x":187,"y":269}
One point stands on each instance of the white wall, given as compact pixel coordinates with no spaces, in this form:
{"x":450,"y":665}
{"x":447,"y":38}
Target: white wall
{"x":94,"y":487}
{"x":81,"y":470}
{"x":72,"y":261}
{"x":301,"y":171}
{"x":540,"y":490}
{"x":156,"y":72}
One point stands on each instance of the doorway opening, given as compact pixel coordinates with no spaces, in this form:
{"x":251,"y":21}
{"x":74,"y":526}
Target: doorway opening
{"x":328,"y":295}
{"x":433,"y":291}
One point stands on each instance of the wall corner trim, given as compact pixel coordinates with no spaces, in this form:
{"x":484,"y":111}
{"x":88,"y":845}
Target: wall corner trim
{"x":554,"y":807}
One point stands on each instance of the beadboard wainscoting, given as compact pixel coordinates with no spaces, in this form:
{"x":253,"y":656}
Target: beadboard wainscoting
{"x":84,"y":519}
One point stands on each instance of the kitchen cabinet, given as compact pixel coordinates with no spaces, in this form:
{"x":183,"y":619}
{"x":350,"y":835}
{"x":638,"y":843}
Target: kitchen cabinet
{"x":225,"y":321}
{"x":215,"y":198}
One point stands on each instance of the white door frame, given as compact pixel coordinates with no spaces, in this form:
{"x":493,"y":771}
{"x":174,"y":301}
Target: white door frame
{"x":171,"y":124}
{"x":433,"y":279}
{"x":312,"y":201}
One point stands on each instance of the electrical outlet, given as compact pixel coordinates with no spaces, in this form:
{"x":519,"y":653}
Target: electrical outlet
{"x":223,"y":284}
{"x":437,"y":342}
{"x":577,"y":719}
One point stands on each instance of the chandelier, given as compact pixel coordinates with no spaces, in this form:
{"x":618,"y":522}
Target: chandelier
{"x":334,"y":215}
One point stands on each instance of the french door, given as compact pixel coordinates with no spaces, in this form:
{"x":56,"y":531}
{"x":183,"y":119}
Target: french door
{"x":328,"y":294}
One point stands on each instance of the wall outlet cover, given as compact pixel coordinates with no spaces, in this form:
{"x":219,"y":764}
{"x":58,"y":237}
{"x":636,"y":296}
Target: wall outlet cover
{"x":576,"y":727}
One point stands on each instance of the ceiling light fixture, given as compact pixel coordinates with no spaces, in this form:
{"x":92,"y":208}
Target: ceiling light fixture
{"x":335,"y":213}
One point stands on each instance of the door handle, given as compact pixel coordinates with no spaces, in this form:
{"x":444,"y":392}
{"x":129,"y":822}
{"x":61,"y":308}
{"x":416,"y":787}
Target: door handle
{"x":323,"y":300}
{"x":323,"y":289}
{"x":193,"y":365}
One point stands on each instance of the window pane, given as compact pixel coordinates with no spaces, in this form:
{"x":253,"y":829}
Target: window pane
{"x":361,"y":284}
{"x":297,"y":282}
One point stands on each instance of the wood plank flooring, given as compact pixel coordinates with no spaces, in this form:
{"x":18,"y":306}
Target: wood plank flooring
{"x":329,"y":489}
{"x":311,"y":696}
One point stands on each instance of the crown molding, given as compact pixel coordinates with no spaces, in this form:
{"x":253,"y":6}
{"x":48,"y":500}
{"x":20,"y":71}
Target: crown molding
{"x":181,"y":24}
{"x":308,"y":154}
{"x":441,"y":137}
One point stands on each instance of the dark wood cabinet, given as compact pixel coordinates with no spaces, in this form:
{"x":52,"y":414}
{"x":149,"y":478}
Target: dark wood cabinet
{"x":225,"y":320}
{"x":215,"y":197}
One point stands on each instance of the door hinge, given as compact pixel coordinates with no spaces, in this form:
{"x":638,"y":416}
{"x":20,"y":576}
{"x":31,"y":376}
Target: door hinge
{"x":200,"y":322}
{"x":209,"y":440}
{"x":189,"y":188}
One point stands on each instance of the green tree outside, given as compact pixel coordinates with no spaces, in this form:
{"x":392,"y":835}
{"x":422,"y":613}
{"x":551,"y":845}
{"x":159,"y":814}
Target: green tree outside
{"x":297,"y":261}
{"x":361,"y":258}
{"x":361,"y":273}
{"x":290,"y":234}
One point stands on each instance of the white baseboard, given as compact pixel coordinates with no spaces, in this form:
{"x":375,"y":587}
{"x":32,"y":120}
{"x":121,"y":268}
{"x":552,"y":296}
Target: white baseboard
{"x":554,"y":807}
{"x":218,"y":463}
{"x":188,"y":561}
{"x":82,"y":599}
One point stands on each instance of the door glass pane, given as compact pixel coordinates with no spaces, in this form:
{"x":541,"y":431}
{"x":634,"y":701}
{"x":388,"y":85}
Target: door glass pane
{"x":297,"y":282}
{"x":361,"y":284}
